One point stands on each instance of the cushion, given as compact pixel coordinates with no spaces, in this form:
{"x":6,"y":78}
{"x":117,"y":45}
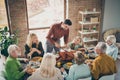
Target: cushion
{"x":117,"y":35}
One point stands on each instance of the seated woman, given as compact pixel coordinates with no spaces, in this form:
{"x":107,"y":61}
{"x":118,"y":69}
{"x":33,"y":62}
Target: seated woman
{"x":13,"y":70}
{"x":76,"y":44}
{"x":112,"y":50}
{"x":47,"y":70}
{"x":33,"y":47}
{"x":79,"y":69}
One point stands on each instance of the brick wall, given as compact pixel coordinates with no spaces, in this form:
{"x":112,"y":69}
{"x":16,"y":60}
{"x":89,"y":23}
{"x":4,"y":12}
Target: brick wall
{"x":18,"y":19}
{"x":74,"y":6}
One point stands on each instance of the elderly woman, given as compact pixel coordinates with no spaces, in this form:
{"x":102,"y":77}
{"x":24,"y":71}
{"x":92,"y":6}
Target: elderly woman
{"x":78,"y":70}
{"x":47,"y":70}
{"x":112,"y":50}
{"x":13,"y":70}
{"x":33,"y":47}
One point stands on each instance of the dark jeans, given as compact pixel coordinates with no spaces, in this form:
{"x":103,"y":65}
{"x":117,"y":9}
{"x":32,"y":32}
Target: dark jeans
{"x":50,"y":47}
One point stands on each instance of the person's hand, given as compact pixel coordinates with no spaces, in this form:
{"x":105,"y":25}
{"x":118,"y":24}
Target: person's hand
{"x":29,"y":55}
{"x":65,"y":46}
{"x":62,"y":69}
{"x":57,"y":45}
{"x":86,"y":49}
{"x":34,"y":50}
{"x":25,"y":60}
{"x":89,"y":63}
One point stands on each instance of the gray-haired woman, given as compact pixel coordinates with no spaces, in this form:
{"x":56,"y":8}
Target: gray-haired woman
{"x":112,"y":50}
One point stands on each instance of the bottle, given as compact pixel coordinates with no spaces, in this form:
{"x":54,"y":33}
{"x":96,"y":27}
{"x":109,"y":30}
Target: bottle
{"x":94,"y":28}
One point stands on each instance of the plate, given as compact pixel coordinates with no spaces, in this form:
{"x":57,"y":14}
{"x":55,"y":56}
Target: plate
{"x":34,"y":64}
{"x":36,"y":59}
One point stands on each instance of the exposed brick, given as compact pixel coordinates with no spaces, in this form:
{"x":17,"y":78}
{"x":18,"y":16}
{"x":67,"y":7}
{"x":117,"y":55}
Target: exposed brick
{"x":74,"y":7}
{"x":18,"y":19}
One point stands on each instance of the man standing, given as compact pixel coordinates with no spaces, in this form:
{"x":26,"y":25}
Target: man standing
{"x":57,"y":31}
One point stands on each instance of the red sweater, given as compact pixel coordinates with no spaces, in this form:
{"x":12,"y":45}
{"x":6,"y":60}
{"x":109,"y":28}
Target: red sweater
{"x":56,"y":32}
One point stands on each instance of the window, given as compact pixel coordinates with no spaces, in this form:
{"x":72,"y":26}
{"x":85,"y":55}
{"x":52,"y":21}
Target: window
{"x":3,"y":15}
{"x":43,"y":13}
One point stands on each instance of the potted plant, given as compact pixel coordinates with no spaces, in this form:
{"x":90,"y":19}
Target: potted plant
{"x":7,"y":39}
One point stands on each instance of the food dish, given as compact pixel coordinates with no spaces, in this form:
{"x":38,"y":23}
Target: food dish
{"x":34,"y":64}
{"x":30,"y":70}
{"x":89,"y":61}
{"x":36,"y":59}
{"x":68,"y":65}
{"x":58,"y":64}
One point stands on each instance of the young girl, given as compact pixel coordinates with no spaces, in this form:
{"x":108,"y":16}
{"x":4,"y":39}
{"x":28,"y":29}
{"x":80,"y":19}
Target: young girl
{"x":33,"y":47}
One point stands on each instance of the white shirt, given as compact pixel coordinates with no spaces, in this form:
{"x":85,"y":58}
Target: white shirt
{"x":112,"y":51}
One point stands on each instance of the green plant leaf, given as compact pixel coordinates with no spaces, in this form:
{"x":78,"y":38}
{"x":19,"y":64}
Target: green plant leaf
{"x":6,"y":29}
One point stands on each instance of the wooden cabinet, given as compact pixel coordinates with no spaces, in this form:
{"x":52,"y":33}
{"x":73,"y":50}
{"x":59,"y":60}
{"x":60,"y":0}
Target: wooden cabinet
{"x":89,"y":27}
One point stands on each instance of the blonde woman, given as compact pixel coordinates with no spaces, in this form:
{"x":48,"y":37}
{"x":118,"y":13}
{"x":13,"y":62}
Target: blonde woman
{"x":112,"y":50}
{"x":33,"y":47}
{"x":47,"y":70}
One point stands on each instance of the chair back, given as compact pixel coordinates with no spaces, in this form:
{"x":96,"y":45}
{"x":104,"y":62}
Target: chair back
{"x":89,"y":78}
{"x":108,"y":77}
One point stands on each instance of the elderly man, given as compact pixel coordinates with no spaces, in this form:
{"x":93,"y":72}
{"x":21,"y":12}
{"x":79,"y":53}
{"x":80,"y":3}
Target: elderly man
{"x":103,"y":64}
{"x":13,"y":70}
